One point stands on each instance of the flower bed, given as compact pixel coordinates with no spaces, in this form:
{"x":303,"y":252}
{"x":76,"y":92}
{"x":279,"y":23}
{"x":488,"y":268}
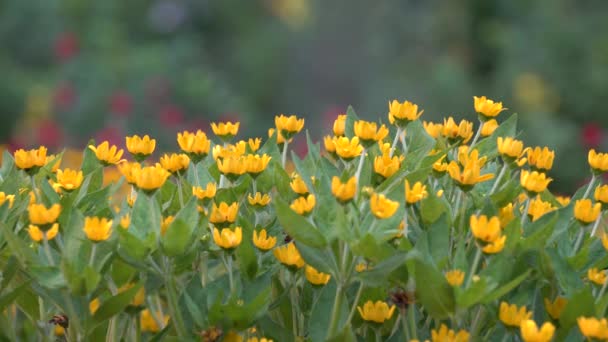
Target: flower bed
{"x":410,"y":231}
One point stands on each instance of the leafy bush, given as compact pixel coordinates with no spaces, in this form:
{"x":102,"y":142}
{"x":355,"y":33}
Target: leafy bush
{"x":391,"y":233}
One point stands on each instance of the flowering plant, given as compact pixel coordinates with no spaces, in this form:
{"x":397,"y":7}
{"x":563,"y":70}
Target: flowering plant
{"x":441,"y":232}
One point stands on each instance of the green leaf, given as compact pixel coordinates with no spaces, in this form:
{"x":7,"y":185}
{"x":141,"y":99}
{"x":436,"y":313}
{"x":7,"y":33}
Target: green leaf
{"x":298,"y":226}
{"x":318,"y":258}
{"x":9,"y":298}
{"x":567,"y":277}
{"x":245,"y":253}
{"x":377,"y":275}
{"x":146,"y":217}
{"x":420,"y":144}
{"x":114,"y":305}
{"x":538,"y":232}
{"x":431,"y":209}
{"x":488,"y":147}
{"x":178,"y":237}
{"x":432,"y":290}
{"x":439,"y":240}
{"x":8,"y":271}
{"x":506,"y":288}
{"x":351,"y":117}
{"x":474,"y":293}
{"x":580,"y":304}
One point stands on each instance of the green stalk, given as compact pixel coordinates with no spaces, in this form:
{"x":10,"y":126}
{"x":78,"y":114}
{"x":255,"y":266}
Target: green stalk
{"x":176,"y":314}
{"x":412,"y":320}
{"x":500,"y":175}
{"x":92,"y":257}
{"x":335,"y":314}
{"x":179,"y":191}
{"x":355,"y":302}
{"x":591,"y":182}
{"x":579,"y":241}
{"x":359,"y":169}
{"x":404,"y":325}
{"x":477,"y":134}
{"x":473,"y":267}
{"x":393,"y":146}
{"x":524,"y":216}
{"x":602,"y":290}
{"x":47,"y":250}
{"x":294,"y":311}
{"x":284,"y":155}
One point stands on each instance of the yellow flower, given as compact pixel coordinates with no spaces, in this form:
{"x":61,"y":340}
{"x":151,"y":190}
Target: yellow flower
{"x":4,"y":197}
{"x":402,"y":113}
{"x":495,"y":246}
{"x":506,"y":215}
{"x":585,"y":211}
{"x":165,"y":223}
{"x":454,"y":277}
{"x":382,"y":207}
{"x":298,"y":185}
{"x":40,"y":215}
{"x":38,"y":235}
{"x":484,"y":229}
{"x":462,"y":131}
{"x":280,"y":137}
{"x":194,"y":143}
{"x":565,"y":200}
{"x":288,"y":125}
{"x":534,"y":182}
{"x":108,"y":155}
{"x":597,"y":276}
{"x":340,"y":125}
{"x":125,"y":221}
{"x":151,"y":177}
{"x":140,"y":146}
{"x":303,"y":205}
{"x":174,"y":162}
{"x":53,"y":162}
{"x":377,"y":311}
{"x":229,"y":150}
{"x":538,"y":208}
{"x":433,"y":129}
{"x":93,"y":306}
{"x":225,"y":129}
{"x":254,"y":144}
{"x":448,"y":335}
{"x":315,"y":277}
{"x":206,"y":193}
{"x":598,"y":161}
{"x":131,"y":198}
{"x":149,"y":324}
{"x":26,"y":160}
{"x":441,"y":166}
{"x":344,"y":192}
{"x":601,"y":194}
{"x":232,"y":166}
{"x":469,"y":175}
{"x":140,"y":296}
{"x":592,"y":327}
{"x":511,"y":149}
{"x":348,"y":149}
{"x":555,"y":308}
{"x":328,"y":142}
{"x":530,"y":332}
{"x":129,"y":171}
{"x":224,"y":213}
{"x":228,"y":238}
{"x":486,"y":107}
{"x":258,"y":199}
{"x":416,"y":193}
{"x":369,"y":131}
{"x":289,"y":255}
{"x":97,"y":229}
{"x":361,"y":267}
{"x":511,"y":315}
{"x":263,"y":241}
{"x":69,"y":179}
{"x":386,"y":166}
{"x":256,"y":164}
{"x":489,"y":127}
{"x":605,"y":240}
{"x":541,"y":159}
{"x":255,"y":339}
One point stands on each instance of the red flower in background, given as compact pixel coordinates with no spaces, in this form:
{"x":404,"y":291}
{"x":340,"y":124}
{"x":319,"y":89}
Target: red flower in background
{"x":171,"y":115}
{"x":592,"y":135}
{"x":66,"y":46}
{"x":111,"y":134}
{"x":121,"y":104}
{"x":49,"y":134}
{"x":330,"y":115}
{"x":64,"y":96}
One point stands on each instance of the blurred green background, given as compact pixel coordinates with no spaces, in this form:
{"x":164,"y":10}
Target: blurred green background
{"x":74,"y":69}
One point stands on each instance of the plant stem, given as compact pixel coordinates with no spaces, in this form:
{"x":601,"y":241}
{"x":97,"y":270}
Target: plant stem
{"x":284,"y":155}
{"x":355,"y":302}
{"x":34,"y":188}
{"x":500,"y":175}
{"x":524,"y":216}
{"x":176,"y":314}
{"x":294,"y":310}
{"x":228,"y":265}
{"x":393,"y":146}
{"x":579,"y":241}
{"x":92,"y":257}
{"x":477,"y":134}
{"x":180,"y":194}
{"x":335,"y":314}
{"x":602,"y":290}
{"x":378,"y":335}
{"x":47,"y":250}
{"x":591,"y":182}
{"x":596,"y":224}
{"x":359,"y":168}
{"x":404,"y":326}
{"x":476,"y":320}
{"x":478,"y":254}
{"x":412,"y":319}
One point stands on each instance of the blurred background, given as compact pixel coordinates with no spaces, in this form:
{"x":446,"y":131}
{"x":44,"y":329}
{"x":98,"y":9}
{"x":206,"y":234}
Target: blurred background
{"x":75,"y":69}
